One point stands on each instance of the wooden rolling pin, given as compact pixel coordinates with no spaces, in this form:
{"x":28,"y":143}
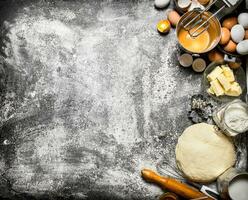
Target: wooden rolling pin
{"x":173,"y":185}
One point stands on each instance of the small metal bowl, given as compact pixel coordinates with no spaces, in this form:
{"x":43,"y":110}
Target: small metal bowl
{"x":226,"y":179}
{"x":239,"y":77}
{"x":237,"y":178}
{"x":214,"y":31}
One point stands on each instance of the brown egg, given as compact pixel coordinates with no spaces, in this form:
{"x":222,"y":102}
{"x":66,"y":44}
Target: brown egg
{"x":230,"y":22}
{"x":225,"y":36}
{"x":234,"y":65}
{"x":203,"y":2}
{"x":173,"y":17}
{"x":215,"y":55}
{"x":230,"y":46}
{"x":163,"y":26}
{"x":246,"y":34}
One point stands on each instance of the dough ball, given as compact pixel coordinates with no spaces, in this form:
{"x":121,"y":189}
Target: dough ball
{"x":202,"y":153}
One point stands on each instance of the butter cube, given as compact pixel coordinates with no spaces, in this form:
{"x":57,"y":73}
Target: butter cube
{"x":235,"y":90}
{"x":215,"y":73}
{"x":217,"y":88}
{"x":226,"y":65}
{"x":228,"y":73}
{"x":224,"y":82}
{"x":210,"y":90}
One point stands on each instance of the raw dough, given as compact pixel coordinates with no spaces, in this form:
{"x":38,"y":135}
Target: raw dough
{"x":202,"y":153}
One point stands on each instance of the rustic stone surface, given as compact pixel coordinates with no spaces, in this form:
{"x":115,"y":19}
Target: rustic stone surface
{"x":90,"y":95}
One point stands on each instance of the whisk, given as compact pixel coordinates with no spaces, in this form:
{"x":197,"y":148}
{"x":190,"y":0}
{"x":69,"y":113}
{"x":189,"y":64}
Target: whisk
{"x":196,"y":22}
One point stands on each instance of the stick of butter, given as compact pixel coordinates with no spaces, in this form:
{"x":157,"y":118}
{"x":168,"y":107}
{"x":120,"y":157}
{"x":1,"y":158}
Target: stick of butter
{"x":224,"y":82}
{"x":215,"y":73}
{"x":210,"y":90}
{"x":235,"y":90}
{"x":228,"y":73}
{"x":217,"y":88}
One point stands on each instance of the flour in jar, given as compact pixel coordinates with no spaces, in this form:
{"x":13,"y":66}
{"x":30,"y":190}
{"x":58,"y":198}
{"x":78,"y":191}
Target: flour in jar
{"x":236,"y":118}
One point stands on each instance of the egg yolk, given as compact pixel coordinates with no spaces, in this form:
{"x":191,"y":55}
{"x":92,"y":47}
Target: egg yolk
{"x":194,"y":44}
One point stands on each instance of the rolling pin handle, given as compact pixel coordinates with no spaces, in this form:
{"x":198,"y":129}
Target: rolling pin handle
{"x":173,"y":185}
{"x":152,"y":177}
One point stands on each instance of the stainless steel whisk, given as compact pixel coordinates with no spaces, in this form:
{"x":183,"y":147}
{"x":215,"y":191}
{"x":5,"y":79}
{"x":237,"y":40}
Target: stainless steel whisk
{"x":199,"y":24}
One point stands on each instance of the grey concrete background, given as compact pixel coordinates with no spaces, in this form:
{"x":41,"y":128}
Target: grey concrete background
{"x":90,"y":95}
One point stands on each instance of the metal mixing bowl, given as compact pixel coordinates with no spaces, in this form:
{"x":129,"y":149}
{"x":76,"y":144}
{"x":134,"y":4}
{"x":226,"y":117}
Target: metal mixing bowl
{"x":214,"y":31}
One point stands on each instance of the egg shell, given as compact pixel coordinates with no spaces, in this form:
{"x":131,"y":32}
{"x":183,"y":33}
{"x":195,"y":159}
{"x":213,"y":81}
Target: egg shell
{"x":199,"y":65}
{"x":225,"y":36}
{"x":246,"y":34}
{"x":161,"y":3}
{"x":230,"y":22}
{"x":237,"y":33}
{"x":194,"y":5}
{"x":242,"y":47}
{"x":173,"y":17}
{"x":215,"y":55}
{"x":185,"y":60}
{"x":243,"y":19}
{"x":184,"y":4}
{"x":163,"y":26}
{"x":234,"y":65}
{"x":230,"y":47}
{"x":203,"y":2}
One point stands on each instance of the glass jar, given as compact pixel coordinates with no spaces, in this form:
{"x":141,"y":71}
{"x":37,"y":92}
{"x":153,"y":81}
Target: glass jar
{"x":232,"y":118}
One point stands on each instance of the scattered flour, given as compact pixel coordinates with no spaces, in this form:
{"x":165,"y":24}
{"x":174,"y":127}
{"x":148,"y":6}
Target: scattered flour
{"x":107,"y":80}
{"x":64,"y":15}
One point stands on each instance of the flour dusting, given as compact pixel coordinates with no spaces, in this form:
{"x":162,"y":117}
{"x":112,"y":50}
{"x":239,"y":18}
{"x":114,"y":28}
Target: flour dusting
{"x":94,"y":94}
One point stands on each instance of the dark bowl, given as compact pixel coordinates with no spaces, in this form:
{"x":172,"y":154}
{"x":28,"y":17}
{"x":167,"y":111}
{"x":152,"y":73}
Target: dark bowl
{"x":220,"y":47}
{"x":239,"y":77}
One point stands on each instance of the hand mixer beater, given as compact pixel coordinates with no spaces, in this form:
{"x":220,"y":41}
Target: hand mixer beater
{"x":196,"y":22}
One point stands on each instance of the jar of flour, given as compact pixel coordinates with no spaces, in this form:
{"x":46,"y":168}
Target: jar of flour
{"x":232,"y":118}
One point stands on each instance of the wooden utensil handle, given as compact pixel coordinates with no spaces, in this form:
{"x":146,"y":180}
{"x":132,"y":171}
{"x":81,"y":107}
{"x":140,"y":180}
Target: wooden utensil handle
{"x":172,"y":185}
